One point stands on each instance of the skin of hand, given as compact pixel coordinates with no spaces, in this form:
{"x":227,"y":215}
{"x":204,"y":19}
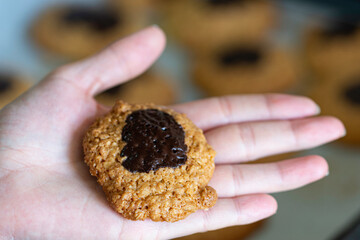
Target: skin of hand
{"x":46,"y":191}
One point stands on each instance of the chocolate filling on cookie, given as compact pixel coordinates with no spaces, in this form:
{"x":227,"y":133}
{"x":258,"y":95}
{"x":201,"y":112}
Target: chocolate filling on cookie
{"x":101,"y":20}
{"x":352,"y":93}
{"x":339,"y":29}
{"x":154,"y":140}
{"x":5,"y":82}
{"x":240,"y":56}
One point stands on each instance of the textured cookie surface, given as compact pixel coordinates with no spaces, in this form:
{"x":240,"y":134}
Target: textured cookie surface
{"x":151,"y":162}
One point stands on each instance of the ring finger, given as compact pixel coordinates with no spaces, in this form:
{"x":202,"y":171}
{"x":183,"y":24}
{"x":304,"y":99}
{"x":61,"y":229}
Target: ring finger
{"x":240,"y":179}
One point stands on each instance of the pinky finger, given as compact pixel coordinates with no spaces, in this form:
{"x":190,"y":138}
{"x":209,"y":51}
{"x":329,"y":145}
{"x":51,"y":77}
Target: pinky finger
{"x":227,"y":212}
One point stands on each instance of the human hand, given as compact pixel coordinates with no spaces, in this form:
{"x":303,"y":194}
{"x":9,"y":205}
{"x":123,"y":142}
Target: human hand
{"x":46,"y":191}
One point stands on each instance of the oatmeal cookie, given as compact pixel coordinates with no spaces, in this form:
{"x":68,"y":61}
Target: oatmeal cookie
{"x":333,"y":50}
{"x":77,"y":31}
{"x":341,"y":98}
{"x":151,"y":162}
{"x":149,"y":87}
{"x":203,"y":24}
{"x":11,"y":87}
{"x":245,"y":69}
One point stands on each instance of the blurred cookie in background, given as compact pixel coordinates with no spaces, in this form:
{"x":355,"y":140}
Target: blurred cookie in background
{"x":11,"y":86}
{"x":333,"y":50}
{"x":340,"y":97}
{"x":134,"y":5}
{"x":229,"y":233}
{"x":77,"y":31}
{"x":239,"y":69}
{"x":149,"y":87}
{"x":203,"y":24}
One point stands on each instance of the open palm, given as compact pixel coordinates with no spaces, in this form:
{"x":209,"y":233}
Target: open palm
{"x":46,"y":191}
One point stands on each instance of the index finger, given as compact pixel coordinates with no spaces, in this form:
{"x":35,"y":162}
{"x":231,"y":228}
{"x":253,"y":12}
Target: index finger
{"x":214,"y":112}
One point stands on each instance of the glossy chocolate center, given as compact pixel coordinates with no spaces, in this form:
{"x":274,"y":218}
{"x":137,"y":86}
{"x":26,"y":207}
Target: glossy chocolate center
{"x":224,"y":2}
{"x":352,"y":93}
{"x":339,"y":29}
{"x":5,"y":82}
{"x":101,"y":19}
{"x":154,"y":140}
{"x":240,"y":56}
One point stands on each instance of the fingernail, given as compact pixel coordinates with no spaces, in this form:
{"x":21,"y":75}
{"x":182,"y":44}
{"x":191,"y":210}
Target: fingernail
{"x":327,"y":174}
{"x":344,"y":133}
{"x":155,"y":25}
{"x":318,"y":109}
